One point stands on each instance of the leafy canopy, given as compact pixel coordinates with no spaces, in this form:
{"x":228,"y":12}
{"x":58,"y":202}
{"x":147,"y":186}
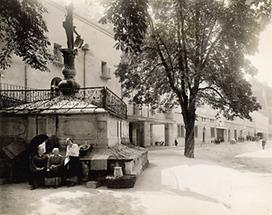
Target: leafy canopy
{"x":22,"y":32}
{"x":189,"y":52}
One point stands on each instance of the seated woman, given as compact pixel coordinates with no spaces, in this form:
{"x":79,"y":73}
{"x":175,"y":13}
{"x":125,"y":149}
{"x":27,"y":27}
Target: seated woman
{"x":38,"y":168}
{"x":54,"y":169}
{"x":72,"y":166}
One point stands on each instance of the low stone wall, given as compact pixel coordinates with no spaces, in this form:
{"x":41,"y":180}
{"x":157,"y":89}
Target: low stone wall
{"x":132,"y":159}
{"x":137,"y":165}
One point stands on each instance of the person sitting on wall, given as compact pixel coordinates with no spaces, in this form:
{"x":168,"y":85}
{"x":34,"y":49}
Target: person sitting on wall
{"x":72,"y":162}
{"x":54,"y":169}
{"x":39,"y":163}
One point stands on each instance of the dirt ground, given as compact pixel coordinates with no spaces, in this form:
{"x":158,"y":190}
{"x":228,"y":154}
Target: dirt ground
{"x":223,"y":179}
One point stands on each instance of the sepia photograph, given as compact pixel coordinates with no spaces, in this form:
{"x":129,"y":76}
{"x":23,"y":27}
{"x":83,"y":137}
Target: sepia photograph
{"x":135,"y":107}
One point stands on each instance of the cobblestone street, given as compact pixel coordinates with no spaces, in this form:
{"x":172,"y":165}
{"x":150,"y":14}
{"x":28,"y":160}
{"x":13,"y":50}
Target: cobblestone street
{"x":223,"y":179}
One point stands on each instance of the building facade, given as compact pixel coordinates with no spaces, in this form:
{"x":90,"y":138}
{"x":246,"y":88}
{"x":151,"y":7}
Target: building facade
{"x":147,"y":127}
{"x":95,"y":65}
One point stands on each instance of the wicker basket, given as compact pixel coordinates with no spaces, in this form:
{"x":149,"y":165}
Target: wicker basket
{"x":126,"y":181}
{"x":84,"y":150}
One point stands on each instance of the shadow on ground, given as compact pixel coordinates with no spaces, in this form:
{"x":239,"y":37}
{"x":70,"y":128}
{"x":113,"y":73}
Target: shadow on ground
{"x":187,"y":192}
{"x":77,"y":200}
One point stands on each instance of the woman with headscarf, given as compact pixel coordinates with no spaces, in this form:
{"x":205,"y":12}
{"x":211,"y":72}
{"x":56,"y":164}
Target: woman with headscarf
{"x":39,"y":164}
{"x":54,"y":168}
{"x":73,"y":167}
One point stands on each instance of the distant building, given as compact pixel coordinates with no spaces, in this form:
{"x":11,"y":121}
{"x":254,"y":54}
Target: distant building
{"x":150,"y":128}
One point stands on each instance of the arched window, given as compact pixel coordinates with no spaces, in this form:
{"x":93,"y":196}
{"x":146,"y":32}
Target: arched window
{"x":54,"y":87}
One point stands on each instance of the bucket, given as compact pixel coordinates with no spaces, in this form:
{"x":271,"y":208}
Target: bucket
{"x":118,"y":172}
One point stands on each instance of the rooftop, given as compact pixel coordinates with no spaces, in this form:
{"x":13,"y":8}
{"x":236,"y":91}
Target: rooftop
{"x":57,"y":105}
{"x":45,"y":101}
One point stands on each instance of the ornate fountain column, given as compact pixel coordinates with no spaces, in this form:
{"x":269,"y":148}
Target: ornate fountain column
{"x":69,"y":86}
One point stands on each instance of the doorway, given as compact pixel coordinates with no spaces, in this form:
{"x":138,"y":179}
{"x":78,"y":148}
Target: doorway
{"x":220,"y":134}
{"x":204,"y":135}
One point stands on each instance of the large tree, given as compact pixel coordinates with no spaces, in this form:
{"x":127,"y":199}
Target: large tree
{"x":189,"y":52}
{"x":23,"y":33}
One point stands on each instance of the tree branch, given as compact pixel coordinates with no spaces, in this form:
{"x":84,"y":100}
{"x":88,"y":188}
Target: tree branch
{"x":211,"y":48}
{"x":204,"y":46}
{"x":164,"y":63}
{"x":167,"y":52}
{"x":216,"y":91}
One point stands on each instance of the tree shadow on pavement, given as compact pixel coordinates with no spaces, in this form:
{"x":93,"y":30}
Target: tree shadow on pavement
{"x":152,"y":181}
{"x":230,"y":157}
{"x":257,"y":165}
{"x":76,"y":200}
{"x":100,"y":204}
{"x":187,"y":192}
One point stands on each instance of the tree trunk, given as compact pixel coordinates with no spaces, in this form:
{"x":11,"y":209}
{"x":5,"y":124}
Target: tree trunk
{"x":189,"y":139}
{"x":189,"y":116}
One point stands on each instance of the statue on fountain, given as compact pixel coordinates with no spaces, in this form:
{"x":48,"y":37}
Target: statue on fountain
{"x":69,"y":86}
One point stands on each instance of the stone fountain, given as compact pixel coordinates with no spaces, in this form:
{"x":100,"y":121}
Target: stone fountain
{"x":90,"y":116}
{"x":69,"y":86}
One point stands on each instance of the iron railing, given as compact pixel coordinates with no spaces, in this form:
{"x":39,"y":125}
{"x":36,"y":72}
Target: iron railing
{"x":99,"y":96}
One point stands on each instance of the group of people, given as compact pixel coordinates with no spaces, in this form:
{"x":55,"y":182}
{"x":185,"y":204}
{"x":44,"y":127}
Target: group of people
{"x":55,"y":169}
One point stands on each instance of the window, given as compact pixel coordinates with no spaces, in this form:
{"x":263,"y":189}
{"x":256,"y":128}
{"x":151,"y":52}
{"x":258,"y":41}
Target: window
{"x":54,"y":87}
{"x":152,"y":111}
{"x":57,"y":53}
{"x":105,"y":71}
{"x":212,"y":132}
{"x":134,"y":106}
{"x":118,"y":129}
{"x":180,"y":130}
{"x":196,"y":131}
{"x":103,"y":67}
{"x":133,"y":109}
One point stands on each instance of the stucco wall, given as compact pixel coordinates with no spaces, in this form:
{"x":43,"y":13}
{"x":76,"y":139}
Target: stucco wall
{"x":101,"y":130}
{"x":83,"y":129}
{"x":158,"y":133}
{"x":13,"y":127}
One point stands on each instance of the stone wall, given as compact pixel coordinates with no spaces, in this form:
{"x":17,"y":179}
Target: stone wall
{"x":100,"y":130}
{"x":137,"y":165}
{"x":14,"y":126}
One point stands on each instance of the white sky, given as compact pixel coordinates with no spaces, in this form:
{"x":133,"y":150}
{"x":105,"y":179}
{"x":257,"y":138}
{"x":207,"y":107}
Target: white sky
{"x":263,"y":59}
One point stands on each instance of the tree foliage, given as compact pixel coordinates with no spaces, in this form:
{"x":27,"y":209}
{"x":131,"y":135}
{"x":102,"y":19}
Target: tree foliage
{"x":129,"y":18}
{"x":23,"y":33}
{"x":192,"y":52}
